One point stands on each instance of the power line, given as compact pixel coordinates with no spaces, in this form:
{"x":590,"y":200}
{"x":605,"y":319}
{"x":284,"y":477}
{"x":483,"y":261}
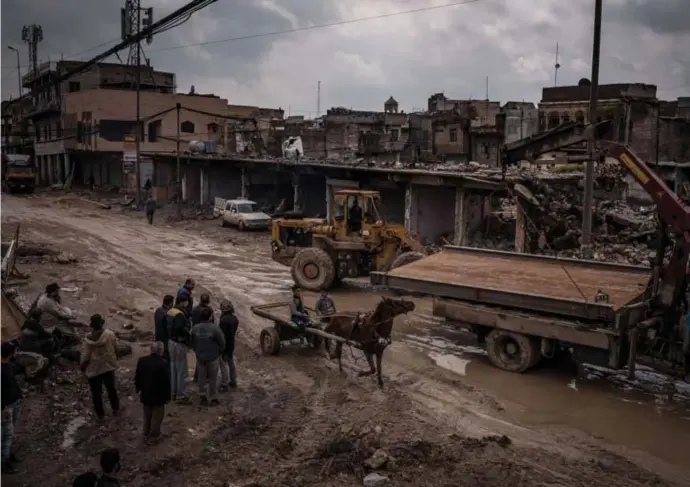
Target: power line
{"x":318,"y":26}
{"x":174,"y":19}
{"x":287,"y":31}
{"x":103,"y":44}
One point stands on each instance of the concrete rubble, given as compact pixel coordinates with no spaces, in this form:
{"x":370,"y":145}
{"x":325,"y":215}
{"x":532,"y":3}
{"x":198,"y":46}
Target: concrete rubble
{"x":621,"y":233}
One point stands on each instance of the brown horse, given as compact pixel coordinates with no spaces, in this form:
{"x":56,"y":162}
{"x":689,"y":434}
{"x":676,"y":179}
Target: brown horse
{"x":371,"y":331}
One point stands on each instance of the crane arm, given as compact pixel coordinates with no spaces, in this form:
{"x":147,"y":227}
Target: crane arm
{"x":672,"y":210}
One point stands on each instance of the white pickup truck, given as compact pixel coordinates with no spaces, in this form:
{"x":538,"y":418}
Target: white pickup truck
{"x":240,"y":213}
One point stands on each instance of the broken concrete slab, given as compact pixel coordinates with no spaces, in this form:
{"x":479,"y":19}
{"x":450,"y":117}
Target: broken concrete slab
{"x":35,"y":365}
{"x":374,"y":479}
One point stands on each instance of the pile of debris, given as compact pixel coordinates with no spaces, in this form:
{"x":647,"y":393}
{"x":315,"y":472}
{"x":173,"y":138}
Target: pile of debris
{"x":189,"y":211}
{"x":620,"y":233}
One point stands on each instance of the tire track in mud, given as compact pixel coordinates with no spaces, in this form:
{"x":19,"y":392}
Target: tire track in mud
{"x":148,"y":259}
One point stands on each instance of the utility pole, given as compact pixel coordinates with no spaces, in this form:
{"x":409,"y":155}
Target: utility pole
{"x":138,"y":124}
{"x":656,"y":145}
{"x":179,"y":180}
{"x":318,"y":99}
{"x":19,"y":69}
{"x":593,"y":95}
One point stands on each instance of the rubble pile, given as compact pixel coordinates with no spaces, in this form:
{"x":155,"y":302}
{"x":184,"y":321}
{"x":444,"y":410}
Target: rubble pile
{"x":498,"y":231}
{"x":189,"y":211}
{"x":620,"y":233}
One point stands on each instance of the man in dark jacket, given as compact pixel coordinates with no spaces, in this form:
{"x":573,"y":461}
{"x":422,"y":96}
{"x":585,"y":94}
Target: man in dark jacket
{"x":152,"y":382}
{"x":178,"y":342}
{"x":186,"y":290}
{"x":160,"y":322}
{"x":11,"y":400}
{"x":198,"y":310}
{"x":110,"y":464}
{"x":208,"y":343}
{"x":228,"y":324}
{"x":150,"y":209}
{"x":197,"y":317}
{"x":34,"y":337}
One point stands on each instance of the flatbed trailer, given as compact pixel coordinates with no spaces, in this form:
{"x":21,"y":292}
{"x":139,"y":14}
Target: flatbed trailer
{"x":526,"y":307}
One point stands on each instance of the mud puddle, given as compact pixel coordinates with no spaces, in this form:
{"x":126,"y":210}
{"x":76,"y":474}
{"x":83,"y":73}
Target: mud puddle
{"x":603,"y":404}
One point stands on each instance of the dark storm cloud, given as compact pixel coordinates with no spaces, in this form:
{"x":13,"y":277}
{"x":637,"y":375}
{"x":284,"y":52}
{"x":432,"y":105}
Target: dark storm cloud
{"x":361,"y":64}
{"x":71,"y":27}
{"x":661,"y":16}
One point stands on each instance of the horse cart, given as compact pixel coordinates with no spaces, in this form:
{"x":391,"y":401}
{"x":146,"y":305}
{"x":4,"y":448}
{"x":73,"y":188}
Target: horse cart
{"x":284,"y":330}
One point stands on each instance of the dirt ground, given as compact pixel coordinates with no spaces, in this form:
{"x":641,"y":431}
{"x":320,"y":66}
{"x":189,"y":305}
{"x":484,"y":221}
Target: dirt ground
{"x":294,"y":420}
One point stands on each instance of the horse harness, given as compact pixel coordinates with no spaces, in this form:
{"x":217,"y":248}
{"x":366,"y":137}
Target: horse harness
{"x":382,"y":341}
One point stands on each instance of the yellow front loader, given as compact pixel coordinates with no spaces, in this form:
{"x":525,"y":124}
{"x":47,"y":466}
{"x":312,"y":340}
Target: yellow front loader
{"x":323,"y":252}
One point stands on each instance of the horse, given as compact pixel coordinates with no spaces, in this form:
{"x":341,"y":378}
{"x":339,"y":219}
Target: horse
{"x":372,"y":331}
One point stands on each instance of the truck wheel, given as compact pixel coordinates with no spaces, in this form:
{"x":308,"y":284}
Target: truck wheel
{"x":513,"y":352}
{"x":313,"y":269}
{"x":270,"y":341}
{"x":404,"y":259}
{"x":223,"y":223}
{"x":242,"y":226}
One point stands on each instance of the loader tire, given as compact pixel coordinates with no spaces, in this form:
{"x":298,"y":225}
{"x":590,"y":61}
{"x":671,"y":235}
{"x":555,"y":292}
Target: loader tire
{"x":313,"y":269}
{"x":404,"y":259}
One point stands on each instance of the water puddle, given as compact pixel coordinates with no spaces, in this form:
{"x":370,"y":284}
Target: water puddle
{"x":451,"y":363}
{"x":68,"y":437}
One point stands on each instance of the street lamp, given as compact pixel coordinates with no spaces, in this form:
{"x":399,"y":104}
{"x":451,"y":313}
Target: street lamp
{"x":19,"y":72}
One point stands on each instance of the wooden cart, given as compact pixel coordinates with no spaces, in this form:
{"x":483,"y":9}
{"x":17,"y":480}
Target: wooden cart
{"x":284,"y":330}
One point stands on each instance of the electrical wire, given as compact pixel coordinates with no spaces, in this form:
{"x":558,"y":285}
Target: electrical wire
{"x":319,"y":26}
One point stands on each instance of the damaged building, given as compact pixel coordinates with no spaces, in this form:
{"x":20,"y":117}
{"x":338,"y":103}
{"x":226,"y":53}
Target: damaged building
{"x":346,"y":134}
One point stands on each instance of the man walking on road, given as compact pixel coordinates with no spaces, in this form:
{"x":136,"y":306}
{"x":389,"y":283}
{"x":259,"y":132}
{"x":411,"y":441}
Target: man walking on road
{"x":208,"y":343}
{"x":160,"y":323}
{"x":150,"y":209}
{"x":178,"y":343}
{"x":228,"y":324}
{"x":152,"y":382}
{"x":98,"y":362}
{"x":11,"y":400}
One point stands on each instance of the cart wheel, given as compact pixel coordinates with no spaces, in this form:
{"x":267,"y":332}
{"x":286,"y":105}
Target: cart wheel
{"x":270,"y":341}
{"x":513,"y":352}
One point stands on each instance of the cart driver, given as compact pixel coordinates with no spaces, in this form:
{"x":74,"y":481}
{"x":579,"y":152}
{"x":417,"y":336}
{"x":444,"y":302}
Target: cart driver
{"x":298,"y":313}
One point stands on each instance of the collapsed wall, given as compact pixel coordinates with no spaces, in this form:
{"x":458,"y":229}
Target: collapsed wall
{"x":553,"y":214}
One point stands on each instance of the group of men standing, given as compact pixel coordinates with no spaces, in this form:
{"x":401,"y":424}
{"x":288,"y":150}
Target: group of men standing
{"x":182,"y":327}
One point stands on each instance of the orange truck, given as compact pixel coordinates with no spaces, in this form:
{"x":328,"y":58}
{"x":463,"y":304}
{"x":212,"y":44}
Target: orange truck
{"x":18,"y":173}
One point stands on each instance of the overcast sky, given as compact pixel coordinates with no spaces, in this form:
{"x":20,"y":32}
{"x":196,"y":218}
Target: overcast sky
{"x":360,"y":64}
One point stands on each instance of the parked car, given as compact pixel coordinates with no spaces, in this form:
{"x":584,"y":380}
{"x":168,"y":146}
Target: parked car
{"x":240,"y":213}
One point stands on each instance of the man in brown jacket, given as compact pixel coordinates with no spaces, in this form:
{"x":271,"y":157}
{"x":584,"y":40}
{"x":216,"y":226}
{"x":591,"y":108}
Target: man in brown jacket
{"x":98,"y":362}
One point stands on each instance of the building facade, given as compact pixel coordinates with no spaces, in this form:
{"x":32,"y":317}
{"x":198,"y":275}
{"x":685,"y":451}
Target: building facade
{"x":633,"y":109}
{"x":521,"y":120}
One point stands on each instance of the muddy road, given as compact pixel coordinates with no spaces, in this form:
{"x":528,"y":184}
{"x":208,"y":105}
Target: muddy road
{"x":445,"y":417}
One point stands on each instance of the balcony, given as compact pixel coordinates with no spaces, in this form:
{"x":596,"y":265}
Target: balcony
{"x":43,"y":70}
{"x":43,"y":108}
{"x":44,"y":148}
